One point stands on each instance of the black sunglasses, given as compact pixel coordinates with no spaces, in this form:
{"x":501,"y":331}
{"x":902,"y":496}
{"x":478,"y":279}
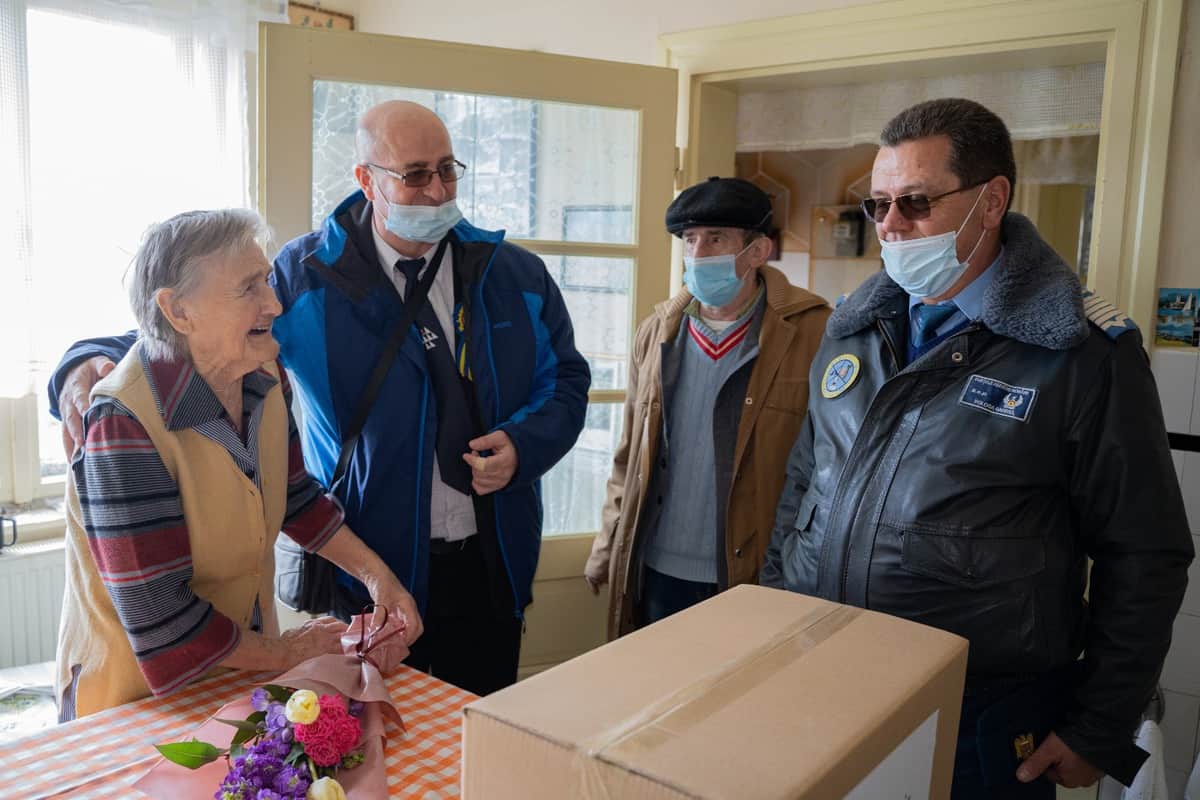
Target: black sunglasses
{"x":911,"y":206}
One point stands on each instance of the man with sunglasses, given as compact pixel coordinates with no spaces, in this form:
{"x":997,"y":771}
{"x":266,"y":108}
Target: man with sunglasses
{"x":980,"y":427}
{"x":485,"y":395}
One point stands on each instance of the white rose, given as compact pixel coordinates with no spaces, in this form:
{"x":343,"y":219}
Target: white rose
{"x":326,"y":789}
{"x":303,"y":707}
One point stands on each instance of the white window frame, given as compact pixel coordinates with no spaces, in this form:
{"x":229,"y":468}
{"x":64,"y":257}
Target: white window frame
{"x":21,"y":479}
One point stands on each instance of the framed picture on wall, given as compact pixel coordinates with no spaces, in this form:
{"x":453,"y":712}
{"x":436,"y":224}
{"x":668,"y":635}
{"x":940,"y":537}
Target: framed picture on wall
{"x":307,"y":16}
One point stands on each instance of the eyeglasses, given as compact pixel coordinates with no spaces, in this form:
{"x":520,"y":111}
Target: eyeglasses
{"x":448,"y":172}
{"x":911,"y":206}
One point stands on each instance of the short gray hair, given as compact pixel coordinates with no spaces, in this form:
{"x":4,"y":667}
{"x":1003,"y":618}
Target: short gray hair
{"x":172,"y":256}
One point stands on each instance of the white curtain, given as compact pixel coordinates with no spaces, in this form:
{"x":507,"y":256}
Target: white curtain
{"x":113,"y":115}
{"x":1034,"y":103}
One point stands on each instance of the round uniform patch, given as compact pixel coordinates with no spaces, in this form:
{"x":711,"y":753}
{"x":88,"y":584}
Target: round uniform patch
{"x":840,"y":375}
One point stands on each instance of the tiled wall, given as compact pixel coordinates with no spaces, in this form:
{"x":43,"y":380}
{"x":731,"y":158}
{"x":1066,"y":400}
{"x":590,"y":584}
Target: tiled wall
{"x":1178,"y":375}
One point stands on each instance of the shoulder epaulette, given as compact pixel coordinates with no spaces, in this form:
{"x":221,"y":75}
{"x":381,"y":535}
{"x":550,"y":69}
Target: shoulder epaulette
{"x":1105,"y":316}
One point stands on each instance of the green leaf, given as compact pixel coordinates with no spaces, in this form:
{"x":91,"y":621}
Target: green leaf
{"x":257,"y":717}
{"x":246,"y":729}
{"x":240,"y":724}
{"x":279,"y":693}
{"x":296,"y":753}
{"x":192,"y":755}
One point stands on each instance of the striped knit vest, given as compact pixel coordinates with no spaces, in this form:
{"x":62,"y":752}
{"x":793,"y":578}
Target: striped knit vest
{"x":231,"y":530}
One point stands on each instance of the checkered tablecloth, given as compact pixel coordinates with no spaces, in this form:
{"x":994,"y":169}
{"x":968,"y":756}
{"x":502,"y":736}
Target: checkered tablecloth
{"x":101,"y":755}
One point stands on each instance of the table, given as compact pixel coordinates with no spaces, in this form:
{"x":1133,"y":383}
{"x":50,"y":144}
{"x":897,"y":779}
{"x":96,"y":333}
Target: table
{"x":101,"y":755}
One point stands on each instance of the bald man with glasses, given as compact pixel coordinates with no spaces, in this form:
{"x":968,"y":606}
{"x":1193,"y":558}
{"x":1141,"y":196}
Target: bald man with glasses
{"x":485,"y":394}
{"x":979,"y":427}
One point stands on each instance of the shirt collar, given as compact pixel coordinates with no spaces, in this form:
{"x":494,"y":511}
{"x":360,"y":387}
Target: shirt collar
{"x":970,"y":299}
{"x":388,"y":255}
{"x":693,"y":306}
{"x":185,"y":400}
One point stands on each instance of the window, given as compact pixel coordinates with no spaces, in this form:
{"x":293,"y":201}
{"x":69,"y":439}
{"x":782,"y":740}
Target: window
{"x":546,"y":173}
{"x":115,"y":116}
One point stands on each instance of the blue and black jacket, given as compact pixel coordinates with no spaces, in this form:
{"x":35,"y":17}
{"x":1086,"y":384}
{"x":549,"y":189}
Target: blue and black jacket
{"x":516,"y":341}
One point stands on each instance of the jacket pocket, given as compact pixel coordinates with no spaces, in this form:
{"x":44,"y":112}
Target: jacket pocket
{"x":806,"y":513}
{"x":981,"y":584}
{"x":970,"y":558}
{"x":788,"y":396}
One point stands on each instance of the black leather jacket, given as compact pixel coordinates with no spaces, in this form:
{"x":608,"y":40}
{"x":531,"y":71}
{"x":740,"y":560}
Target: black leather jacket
{"x":967,"y":490}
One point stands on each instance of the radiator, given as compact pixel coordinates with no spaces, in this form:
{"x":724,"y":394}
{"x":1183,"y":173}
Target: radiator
{"x":31,"y":593}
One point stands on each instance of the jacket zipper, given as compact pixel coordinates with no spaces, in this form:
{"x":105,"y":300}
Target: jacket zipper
{"x":891,"y":346}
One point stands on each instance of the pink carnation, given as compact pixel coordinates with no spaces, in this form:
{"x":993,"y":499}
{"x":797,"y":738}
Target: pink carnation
{"x":346,"y":734}
{"x":319,"y":730}
{"x":331,"y":702}
{"x":333,"y":734}
{"x":322,"y":753}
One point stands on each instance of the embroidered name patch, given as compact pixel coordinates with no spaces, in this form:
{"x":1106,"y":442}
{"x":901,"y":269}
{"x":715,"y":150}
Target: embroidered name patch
{"x":997,"y":397}
{"x":840,"y":375}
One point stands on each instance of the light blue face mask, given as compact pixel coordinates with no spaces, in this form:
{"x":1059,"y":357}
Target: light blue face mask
{"x":428,"y":224}
{"x":713,"y":280}
{"x":928,"y":266}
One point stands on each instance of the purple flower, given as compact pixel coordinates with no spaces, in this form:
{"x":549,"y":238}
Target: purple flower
{"x":292,"y":781}
{"x":276,"y":717}
{"x":259,"y":699}
{"x":267,"y":794}
{"x":235,"y":788}
{"x":356,"y":708}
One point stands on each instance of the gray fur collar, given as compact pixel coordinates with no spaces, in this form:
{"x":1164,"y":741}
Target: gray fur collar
{"x":1035,"y":298}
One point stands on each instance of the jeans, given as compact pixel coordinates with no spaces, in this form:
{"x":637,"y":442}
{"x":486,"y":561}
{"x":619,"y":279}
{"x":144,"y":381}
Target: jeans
{"x":663,"y":595}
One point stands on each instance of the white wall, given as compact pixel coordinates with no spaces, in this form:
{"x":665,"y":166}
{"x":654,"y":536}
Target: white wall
{"x":616,"y":30}
{"x":1177,"y":372}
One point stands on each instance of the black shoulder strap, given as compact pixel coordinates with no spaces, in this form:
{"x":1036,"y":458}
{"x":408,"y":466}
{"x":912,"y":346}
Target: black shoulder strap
{"x":386,"y":358}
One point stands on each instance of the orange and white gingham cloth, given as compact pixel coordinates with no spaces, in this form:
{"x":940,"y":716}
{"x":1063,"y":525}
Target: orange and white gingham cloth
{"x":101,"y":755}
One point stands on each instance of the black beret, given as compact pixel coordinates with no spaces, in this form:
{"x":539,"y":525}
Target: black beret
{"x":720,"y":203}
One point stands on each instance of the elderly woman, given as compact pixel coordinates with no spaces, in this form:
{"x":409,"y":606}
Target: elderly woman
{"x":190,"y":468}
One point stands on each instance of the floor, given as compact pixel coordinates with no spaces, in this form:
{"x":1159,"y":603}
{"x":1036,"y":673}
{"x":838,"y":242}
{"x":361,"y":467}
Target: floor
{"x":26,"y":700}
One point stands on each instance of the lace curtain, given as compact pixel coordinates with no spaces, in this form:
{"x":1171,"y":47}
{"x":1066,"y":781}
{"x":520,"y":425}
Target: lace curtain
{"x":1034,"y":103}
{"x":113,"y":115}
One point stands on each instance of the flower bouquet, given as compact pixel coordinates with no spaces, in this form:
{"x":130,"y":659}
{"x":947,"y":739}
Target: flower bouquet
{"x":317,"y":732}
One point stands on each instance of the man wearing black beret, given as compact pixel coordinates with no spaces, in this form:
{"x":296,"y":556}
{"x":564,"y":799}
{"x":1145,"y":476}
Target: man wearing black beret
{"x":718,"y":388}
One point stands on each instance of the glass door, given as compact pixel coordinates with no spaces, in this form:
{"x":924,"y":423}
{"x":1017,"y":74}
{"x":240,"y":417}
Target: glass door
{"x":574,"y":158}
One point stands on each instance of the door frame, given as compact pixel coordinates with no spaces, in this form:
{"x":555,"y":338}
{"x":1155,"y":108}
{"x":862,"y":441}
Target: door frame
{"x":291,"y":58}
{"x":1140,"y":42}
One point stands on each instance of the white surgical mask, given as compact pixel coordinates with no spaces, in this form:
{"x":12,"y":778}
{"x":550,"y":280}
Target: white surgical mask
{"x":428,"y":224}
{"x":928,"y":266}
{"x":713,"y":280}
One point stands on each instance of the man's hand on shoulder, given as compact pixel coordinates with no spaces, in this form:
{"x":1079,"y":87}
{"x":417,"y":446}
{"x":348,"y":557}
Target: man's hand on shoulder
{"x":75,"y":397}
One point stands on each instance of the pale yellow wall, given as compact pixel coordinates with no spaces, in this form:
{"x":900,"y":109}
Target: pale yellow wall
{"x":628,"y":30}
{"x":1179,"y":253}
{"x":615,"y":30}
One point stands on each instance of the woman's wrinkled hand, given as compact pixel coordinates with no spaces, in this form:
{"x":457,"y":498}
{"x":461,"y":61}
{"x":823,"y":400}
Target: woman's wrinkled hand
{"x":316,"y":637}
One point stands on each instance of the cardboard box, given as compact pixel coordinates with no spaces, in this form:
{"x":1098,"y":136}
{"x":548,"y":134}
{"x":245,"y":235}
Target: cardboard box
{"x":757,"y":693}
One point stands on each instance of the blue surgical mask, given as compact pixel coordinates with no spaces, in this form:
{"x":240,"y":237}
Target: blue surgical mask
{"x":713,"y":280}
{"x":421,"y":223}
{"x":929,"y":266}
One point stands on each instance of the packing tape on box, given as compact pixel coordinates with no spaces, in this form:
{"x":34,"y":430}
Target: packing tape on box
{"x":676,"y":713}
